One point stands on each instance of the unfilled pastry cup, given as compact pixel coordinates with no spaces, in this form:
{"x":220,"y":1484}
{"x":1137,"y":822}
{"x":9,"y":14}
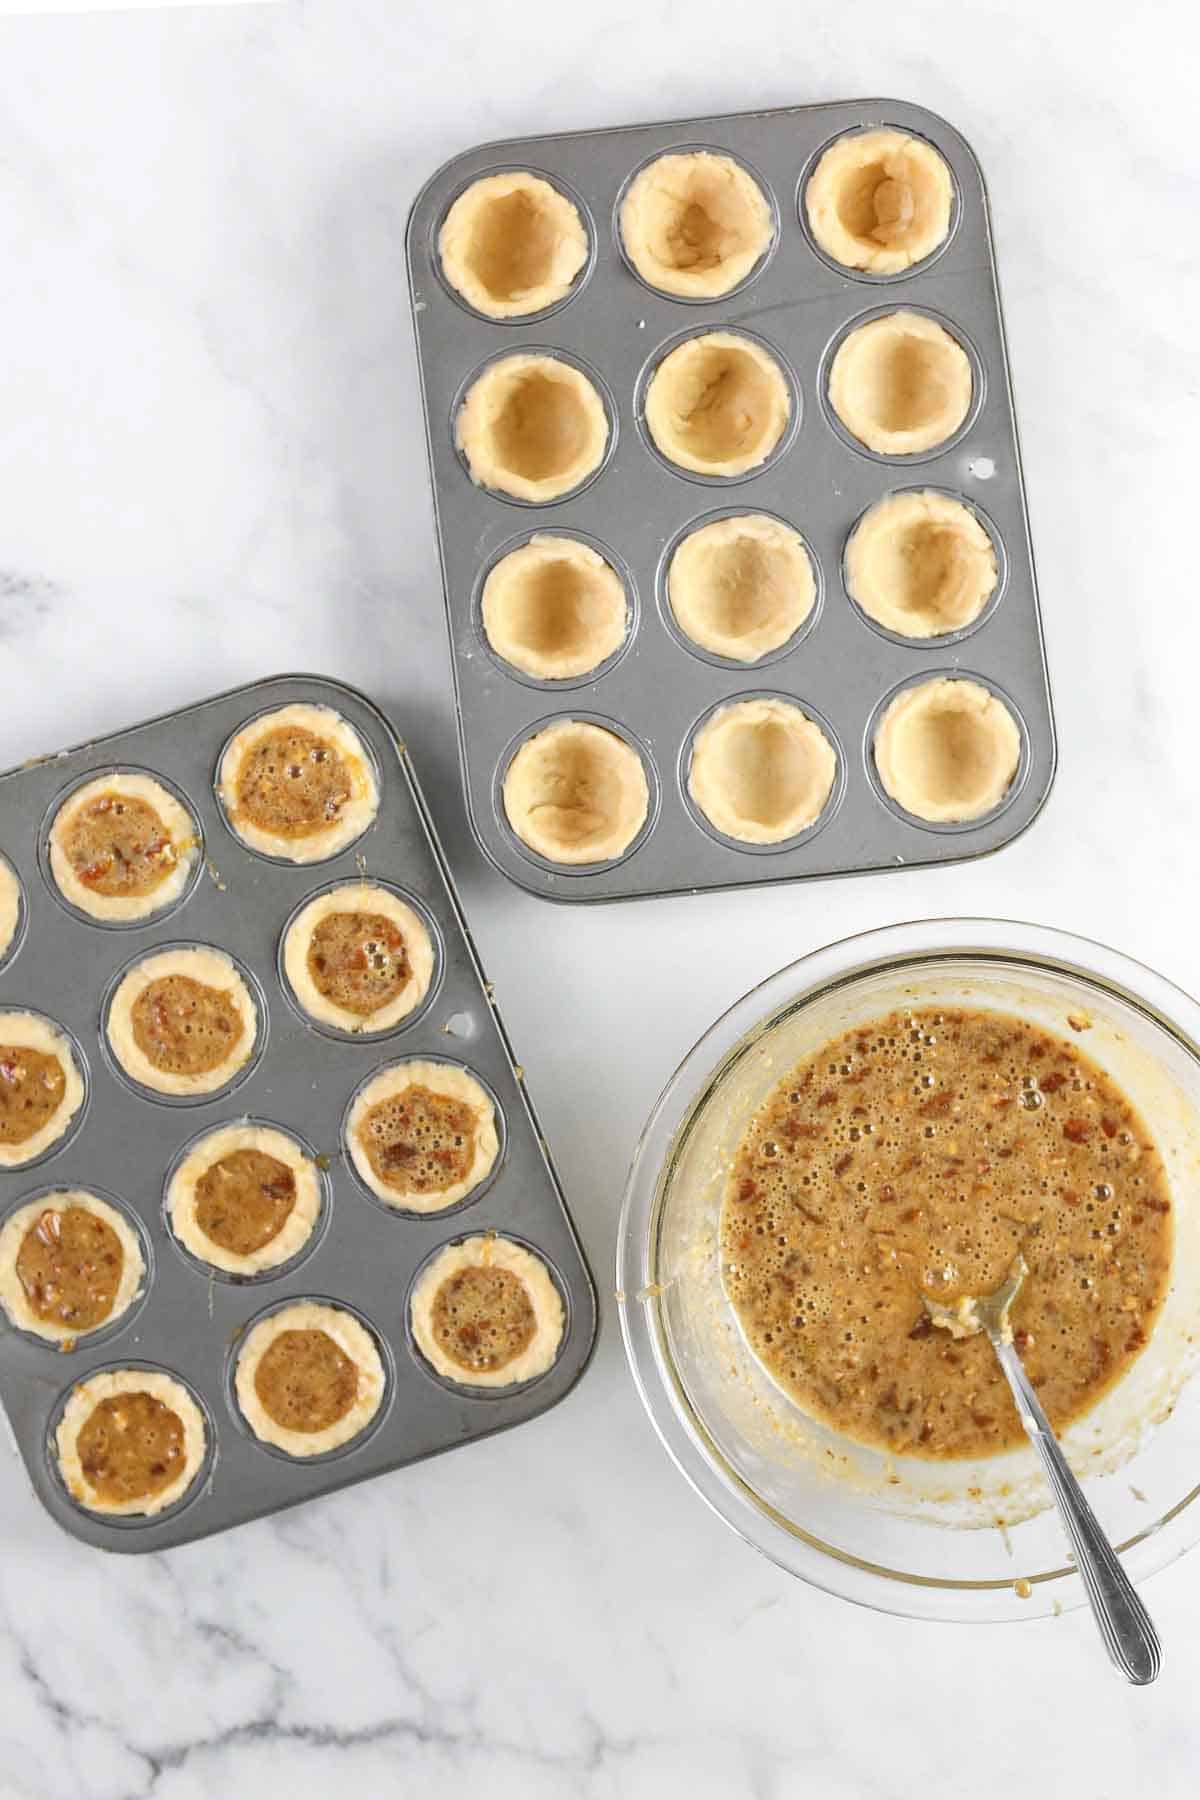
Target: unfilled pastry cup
{"x":14,"y":912}
{"x":735,"y":622}
{"x":533,"y":427}
{"x":695,"y":223}
{"x":623,"y":794}
{"x":717,"y":406}
{"x":889,"y":790}
{"x":514,"y":244}
{"x":901,"y":384}
{"x":969,"y":1539}
{"x":894,"y":588}
{"x":731,"y":788}
{"x":550,"y":619}
{"x":878,"y":203}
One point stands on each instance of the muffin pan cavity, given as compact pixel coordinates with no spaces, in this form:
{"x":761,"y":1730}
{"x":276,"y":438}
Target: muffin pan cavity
{"x":247,"y":1190}
{"x":725,"y":329}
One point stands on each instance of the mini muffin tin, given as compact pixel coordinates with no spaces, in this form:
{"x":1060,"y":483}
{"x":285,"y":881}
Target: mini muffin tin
{"x":363,"y":1256}
{"x":840,"y":667}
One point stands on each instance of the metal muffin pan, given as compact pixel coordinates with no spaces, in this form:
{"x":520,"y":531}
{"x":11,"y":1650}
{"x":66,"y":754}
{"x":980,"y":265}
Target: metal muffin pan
{"x":362,"y":1255}
{"x":637,"y":507}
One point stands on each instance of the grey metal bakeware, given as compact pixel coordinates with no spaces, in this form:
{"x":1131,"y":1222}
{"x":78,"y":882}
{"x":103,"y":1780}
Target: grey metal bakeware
{"x":635,"y":511}
{"x":367,"y":1255}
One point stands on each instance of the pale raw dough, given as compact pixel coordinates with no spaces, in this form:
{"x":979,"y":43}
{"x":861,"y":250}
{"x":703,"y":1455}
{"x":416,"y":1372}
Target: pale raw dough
{"x":181,"y":853}
{"x":211,"y":968}
{"x":438,"y":1078}
{"x":761,"y":771}
{"x":296,"y":1229}
{"x":880,"y":201}
{"x":499,"y":1253}
{"x":107,"y":1386}
{"x":10,"y":907}
{"x":512,"y":244}
{"x":947,"y":750}
{"x":901,"y":384}
{"x":921,"y":564}
{"x":695,"y":224}
{"x":741,"y":587}
{"x":355,"y":816}
{"x":351,"y":1338}
{"x":365,"y":897}
{"x":554,"y":608}
{"x":576,"y":793}
{"x":718,"y":404}
{"x":30,"y":1031}
{"x":532,"y":426}
{"x":12,"y":1236}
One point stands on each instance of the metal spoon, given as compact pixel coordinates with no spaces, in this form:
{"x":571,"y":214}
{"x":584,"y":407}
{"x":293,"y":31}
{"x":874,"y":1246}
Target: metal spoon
{"x":1125,"y":1625}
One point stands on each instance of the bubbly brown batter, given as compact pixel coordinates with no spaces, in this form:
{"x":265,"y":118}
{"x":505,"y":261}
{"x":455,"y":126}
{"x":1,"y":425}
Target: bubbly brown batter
{"x":482,"y":1318}
{"x":419,"y":1141}
{"x":185,"y":1027}
{"x":920,"y":1155}
{"x":293,"y":783}
{"x":118,"y":846}
{"x":69,"y":1266}
{"x":131,"y":1447}
{"x":359,"y":961}
{"x":305,"y":1381}
{"x":32,"y":1085}
{"x":243,"y":1199}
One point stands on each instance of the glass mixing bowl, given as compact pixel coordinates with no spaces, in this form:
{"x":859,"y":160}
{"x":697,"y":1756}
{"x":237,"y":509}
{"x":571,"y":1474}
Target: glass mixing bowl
{"x":967,"y":1540}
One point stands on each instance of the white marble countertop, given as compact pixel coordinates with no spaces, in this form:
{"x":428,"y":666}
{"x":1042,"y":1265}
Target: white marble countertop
{"x":211,"y":466}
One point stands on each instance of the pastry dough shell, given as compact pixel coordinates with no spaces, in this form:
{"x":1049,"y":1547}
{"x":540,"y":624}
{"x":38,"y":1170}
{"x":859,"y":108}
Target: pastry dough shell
{"x":12,"y":1235}
{"x":356,"y":815}
{"x":351,"y":1338}
{"x":177,"y":823}
{"x":919,"y":194}
{"x":499,"y":399}
{"x":737,"y":391}
{"x":490,"y":1252}
{"x":485,"y":208}
{"x":212,"y":968}
{"x":363,"y":896}
{"x":947,"y":750}
{"x":738,"y":782}
{"x":741,"y":587}
{"x":662,"y":201}
{"x":901,"y":384}
{"x":576,"y":793}
{"x":30,"y":1031}
{"x":106,"y":1386}
{"x":455,"y":1083}
{"x":921,"y":565}
{"x":296,"y":1229}
{"x":10,"y":907}
{"x":554,"y":608}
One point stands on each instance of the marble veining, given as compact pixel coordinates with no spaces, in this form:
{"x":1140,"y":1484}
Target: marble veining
{"x":212,"y":467}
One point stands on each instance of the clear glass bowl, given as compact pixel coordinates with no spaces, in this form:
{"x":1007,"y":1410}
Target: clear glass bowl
{"x":969,"y":1540}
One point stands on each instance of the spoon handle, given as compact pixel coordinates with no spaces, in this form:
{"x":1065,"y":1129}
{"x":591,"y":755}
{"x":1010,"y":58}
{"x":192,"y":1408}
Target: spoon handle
{"x":1125,"y":1625}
